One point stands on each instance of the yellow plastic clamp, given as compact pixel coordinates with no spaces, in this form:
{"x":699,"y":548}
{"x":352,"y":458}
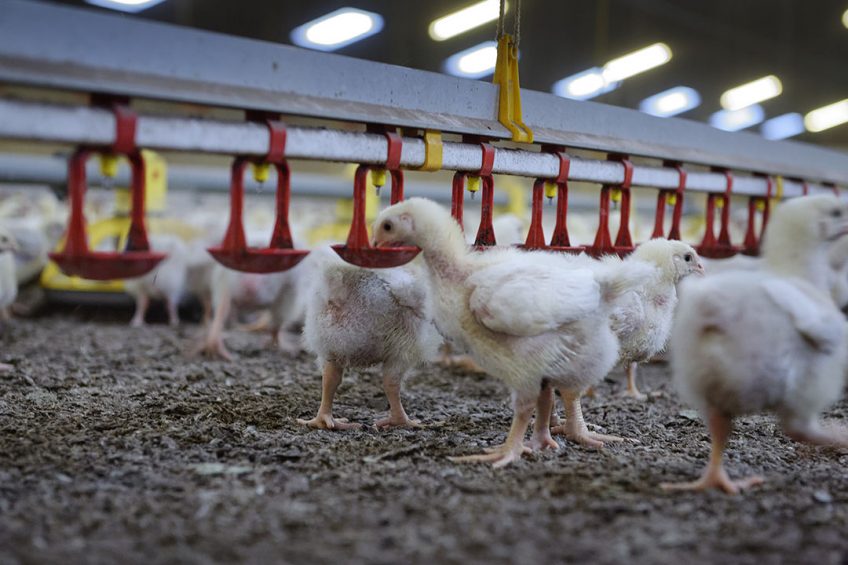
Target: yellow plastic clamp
{"x":432,"y":151}
{"x":509,"y":96}
{"x":778,"y":189}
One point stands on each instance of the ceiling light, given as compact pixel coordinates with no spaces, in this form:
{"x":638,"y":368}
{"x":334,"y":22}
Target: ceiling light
{"x":671,"y":102}
{"x":781,"y":127}
{"x":845,"y":18}
{"x":827,"y":117}
{"x":337,"y":29}
{"x":752,"y":92}
{"x":735,"y":120}
{"x":131,"y":6}
{"x":584,"y":85}
{"x":463,"y":20}
{"x":637,"y":62}
{"x":475,"y":62}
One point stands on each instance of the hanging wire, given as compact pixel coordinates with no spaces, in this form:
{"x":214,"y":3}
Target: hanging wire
{"x":516,"y":22}
{"x":501,"y":14}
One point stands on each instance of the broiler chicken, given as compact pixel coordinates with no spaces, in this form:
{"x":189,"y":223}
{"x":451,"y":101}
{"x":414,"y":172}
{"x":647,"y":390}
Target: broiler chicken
{"x":643,"y":319}
{"x":771,"y":339}
{"x":357,"y":318}
{"x":166,"y":282}
{"x":531,"y":319}
{"x":8,"y":280}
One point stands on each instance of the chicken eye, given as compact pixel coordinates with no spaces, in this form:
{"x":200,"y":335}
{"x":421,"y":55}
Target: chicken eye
{"x":387,"y":226}
{"x":836,"y":213}
{"x":688,"y":257}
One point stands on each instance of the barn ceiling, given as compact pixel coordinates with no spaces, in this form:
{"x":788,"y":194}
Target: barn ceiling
{"x":716,"y":44}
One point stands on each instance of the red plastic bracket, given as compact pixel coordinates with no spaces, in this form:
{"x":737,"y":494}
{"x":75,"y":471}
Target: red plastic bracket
{"x":280,"y":255}
{"x":662,"y":201}
{"x":76,"y":258}
{"x":603,"y":244}
{"x":486,"y":231}
{"x":358,"y":250}
{"x":751,"y":244}
{"x":722,"y":247}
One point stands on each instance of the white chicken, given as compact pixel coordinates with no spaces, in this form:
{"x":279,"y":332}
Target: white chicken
{"x":766,"y":340}
{"x":642,"y":319}
{"x":509,"y":230}
{"x":357,"y":318}
{"x":166,"y":282}
{"x":8,"y":280}
{"x":531,"y":319}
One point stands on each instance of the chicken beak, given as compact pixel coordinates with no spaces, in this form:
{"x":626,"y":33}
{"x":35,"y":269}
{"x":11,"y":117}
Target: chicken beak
{"x":699,"y":269}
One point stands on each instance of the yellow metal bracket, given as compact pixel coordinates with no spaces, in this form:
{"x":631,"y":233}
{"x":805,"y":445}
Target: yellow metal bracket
{"x":509,"y":96}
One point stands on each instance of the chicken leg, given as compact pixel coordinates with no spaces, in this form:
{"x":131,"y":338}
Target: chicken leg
{"x":213,"y":343}
{"x":542,"y":439}
{"x":397,"y":417}
{"x":632,"y":390}
{"x":330,"y":380}
{"x":714,"y":475}
{"x":172,"y":304}
{"x":142,"y":302}
{"x":513,"y":448}
{"x":575,"y":427}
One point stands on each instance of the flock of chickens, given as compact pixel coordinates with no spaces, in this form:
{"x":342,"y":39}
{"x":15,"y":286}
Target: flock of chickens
{"x":755,"y":335}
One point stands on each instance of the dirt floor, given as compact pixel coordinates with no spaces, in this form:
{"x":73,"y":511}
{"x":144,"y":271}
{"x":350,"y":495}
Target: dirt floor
{"x":116,"y":447}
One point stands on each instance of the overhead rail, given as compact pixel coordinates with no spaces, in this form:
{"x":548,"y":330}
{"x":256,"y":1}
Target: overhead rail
{"x":33,"y":121}
{"x":47,"y":45}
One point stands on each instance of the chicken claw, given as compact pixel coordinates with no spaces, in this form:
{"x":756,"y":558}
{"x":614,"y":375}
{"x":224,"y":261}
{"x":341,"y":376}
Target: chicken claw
{"x":716,"y":479}
{"x":327,"y":422}
{"x":575,"y":428}
{"x":714,"y":475}
{"x":393,"y":421}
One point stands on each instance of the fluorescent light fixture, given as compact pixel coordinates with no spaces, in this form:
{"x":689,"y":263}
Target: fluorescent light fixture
{"x":637,"y":62}
{"x":596,"y":81}
{"x":827,"y":117}
{"x":671,"y":102}
{"x":337,"y":29}
{"x":130,"y":6}
{"x":735,"y":120}
{"x":752,"y":92}
{"x":845,"y":18}
{"x":584,"y":85}
{"x":463,"y":20}
{"x":474,"y":62}
{"x":781,"y":127}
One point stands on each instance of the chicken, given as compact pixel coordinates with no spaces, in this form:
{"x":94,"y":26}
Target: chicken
{"x":166,"y":282}
{"x":531,"y":319}
{"x":642,"y":321}
{"x":8,"y":280}
{"x":357,"y":318}
{"x":766,"y":340}
{"x":249,"y":292}
{"x":509,"y":230}
{"x":838,"y":259}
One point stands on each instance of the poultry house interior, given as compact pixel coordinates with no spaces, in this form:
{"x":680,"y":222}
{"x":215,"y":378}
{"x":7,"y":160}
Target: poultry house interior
{"x":332,"y":281}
